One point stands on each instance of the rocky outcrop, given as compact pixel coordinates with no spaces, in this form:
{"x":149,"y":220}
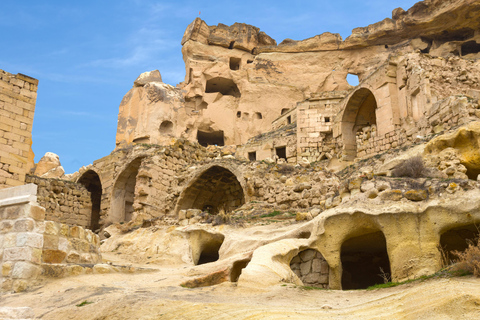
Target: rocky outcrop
{"x":49,"y":166}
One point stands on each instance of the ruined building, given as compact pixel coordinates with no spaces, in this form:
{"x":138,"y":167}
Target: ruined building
{"x":258,"y":125}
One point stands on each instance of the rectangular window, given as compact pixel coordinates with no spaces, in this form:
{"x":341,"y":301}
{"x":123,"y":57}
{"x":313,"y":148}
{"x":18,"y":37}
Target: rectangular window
{"x":281,"y":152}
{"x":252,"y":156}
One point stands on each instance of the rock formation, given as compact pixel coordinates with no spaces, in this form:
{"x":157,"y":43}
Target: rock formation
{"x":265,"y":168}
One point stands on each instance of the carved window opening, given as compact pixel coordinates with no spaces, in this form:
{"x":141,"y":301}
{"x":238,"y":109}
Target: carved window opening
{"x":252,"y":156}
{"x":281,"y":152}
{"x":327,"y":119}
{"x":235,"y":63}
{"x":284,"y":110}
{"x":352,"y":79}
{"x":365,"y":261}
{"x":166,"y":127}
{"x":257,"y":115}
{"x":289,"y":119}
{"x":249,"y":61}
{"x":223,"y":85}
{"x":210,"y":138}
{"x":239,"y":114}
{"x":231,"y":45}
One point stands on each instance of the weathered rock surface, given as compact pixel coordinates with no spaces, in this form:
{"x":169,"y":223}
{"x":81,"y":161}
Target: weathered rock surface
{"x":49,"y":166}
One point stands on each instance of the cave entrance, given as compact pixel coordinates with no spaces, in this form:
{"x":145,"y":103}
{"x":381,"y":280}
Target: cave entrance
{"x":223,"y":85}
{"x":365,"y":261}
{"x":359,"y":113}
{"x":166,"y":127}
{"x":216,"y":188}
{"x":237,"y":269}
{"x":205,"y":246}
{"x":281,"y":152}
{"x":91,"y":181}
{"x":124,"y":193}
{"x":215,"y":138}
{"x":470,"y":47}
{"x":457,"y":239}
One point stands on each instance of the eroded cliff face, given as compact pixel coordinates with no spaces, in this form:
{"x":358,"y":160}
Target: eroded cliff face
{"x":238,"y":80}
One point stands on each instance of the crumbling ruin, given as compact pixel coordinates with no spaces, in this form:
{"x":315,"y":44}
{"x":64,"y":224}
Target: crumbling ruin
{"x":263,"y":130}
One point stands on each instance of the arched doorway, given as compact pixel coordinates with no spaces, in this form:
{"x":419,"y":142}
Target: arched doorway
{"x":457,"y":239}
{"x":124,"y":193}
{"x":359,"y":116}
{"x":365,"y":261}
{"x":216,"y":189}
{"x":91,"y":181}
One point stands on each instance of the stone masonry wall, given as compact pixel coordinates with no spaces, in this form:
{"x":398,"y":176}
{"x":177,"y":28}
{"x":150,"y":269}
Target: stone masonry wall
{"x":64,"y":201}
{"x":18,"y":94}
{"x":311,"y":267}
{"x":31,"y":247}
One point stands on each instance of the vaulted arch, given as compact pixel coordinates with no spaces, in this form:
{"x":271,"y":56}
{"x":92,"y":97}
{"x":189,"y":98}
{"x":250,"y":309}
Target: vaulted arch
{"x":360,"y":112}
{"x":91,"y":181}
{"x":214,"y":189}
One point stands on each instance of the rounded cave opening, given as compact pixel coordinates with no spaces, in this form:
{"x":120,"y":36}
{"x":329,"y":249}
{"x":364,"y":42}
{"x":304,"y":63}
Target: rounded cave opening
{"x":237,"y":269}
{"x":166,"y":127}
{"x":205,"y":246}
{"x":312,"y":268}
{"x":365,"y":261}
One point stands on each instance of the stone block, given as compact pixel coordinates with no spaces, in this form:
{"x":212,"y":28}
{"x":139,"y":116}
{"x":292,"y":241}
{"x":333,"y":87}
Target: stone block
{"x":306,"y":267}
{"x":312,"y":278}
{"x":391,"y":195}
{"x":307,"y":255}
{"x":73,"y":257}
{"x":416,"y":195}
{"x":53,"y":256}
{"x":19,"y":285}
{"x":24,"y":225}
{"x":10,"y":240}
{"x":316,"y":265}
{"x":37,"y":213}
{"x":19,"y":254}
{"x":50,"y":241}
{"x":102,"y":268}
{"x":7,"y":268}
{"x":74,"y":270}
{"x":324,"y":268}
{"x":53,"y":270}
{"x":25,"y":270}
{"x":86,"y":258}
{"x":6,"y":226}
{"x":28,"y":239}
{"x":63,"y":244}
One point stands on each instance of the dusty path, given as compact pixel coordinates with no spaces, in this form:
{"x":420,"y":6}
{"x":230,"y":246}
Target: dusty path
{"x":157,"y":295}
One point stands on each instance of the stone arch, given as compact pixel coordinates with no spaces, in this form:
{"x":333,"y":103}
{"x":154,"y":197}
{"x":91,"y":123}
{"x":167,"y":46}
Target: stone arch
{"x":91,"y":181}
{"x":359,"y":113}
{"x":457,"y":239}
{"x":123,"y":194}
{"x":214,"y":188}
{"x":364,"y":260}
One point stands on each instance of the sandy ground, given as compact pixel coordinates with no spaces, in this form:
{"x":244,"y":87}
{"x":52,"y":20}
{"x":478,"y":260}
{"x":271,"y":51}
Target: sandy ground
{"x":157,"y":295}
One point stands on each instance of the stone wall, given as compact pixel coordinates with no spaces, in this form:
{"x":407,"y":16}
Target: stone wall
{"x":31,"y":247}
{"x":64,"y":201}
{"x":315,"y":118}
{"x":18,"y":94}
{"x":311,"y":267}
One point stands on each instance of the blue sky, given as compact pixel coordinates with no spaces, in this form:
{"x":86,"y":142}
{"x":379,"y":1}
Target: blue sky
{"x":86,"y":54}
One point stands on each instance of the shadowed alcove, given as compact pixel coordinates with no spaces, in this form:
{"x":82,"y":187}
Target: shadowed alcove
{"x":215,"y":189}
{"x":91,"y":181}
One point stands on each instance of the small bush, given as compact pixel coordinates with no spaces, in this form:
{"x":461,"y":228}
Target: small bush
{"x":469,"y":260}
{"x":285,"y":168}
{"x":412,"y":168}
